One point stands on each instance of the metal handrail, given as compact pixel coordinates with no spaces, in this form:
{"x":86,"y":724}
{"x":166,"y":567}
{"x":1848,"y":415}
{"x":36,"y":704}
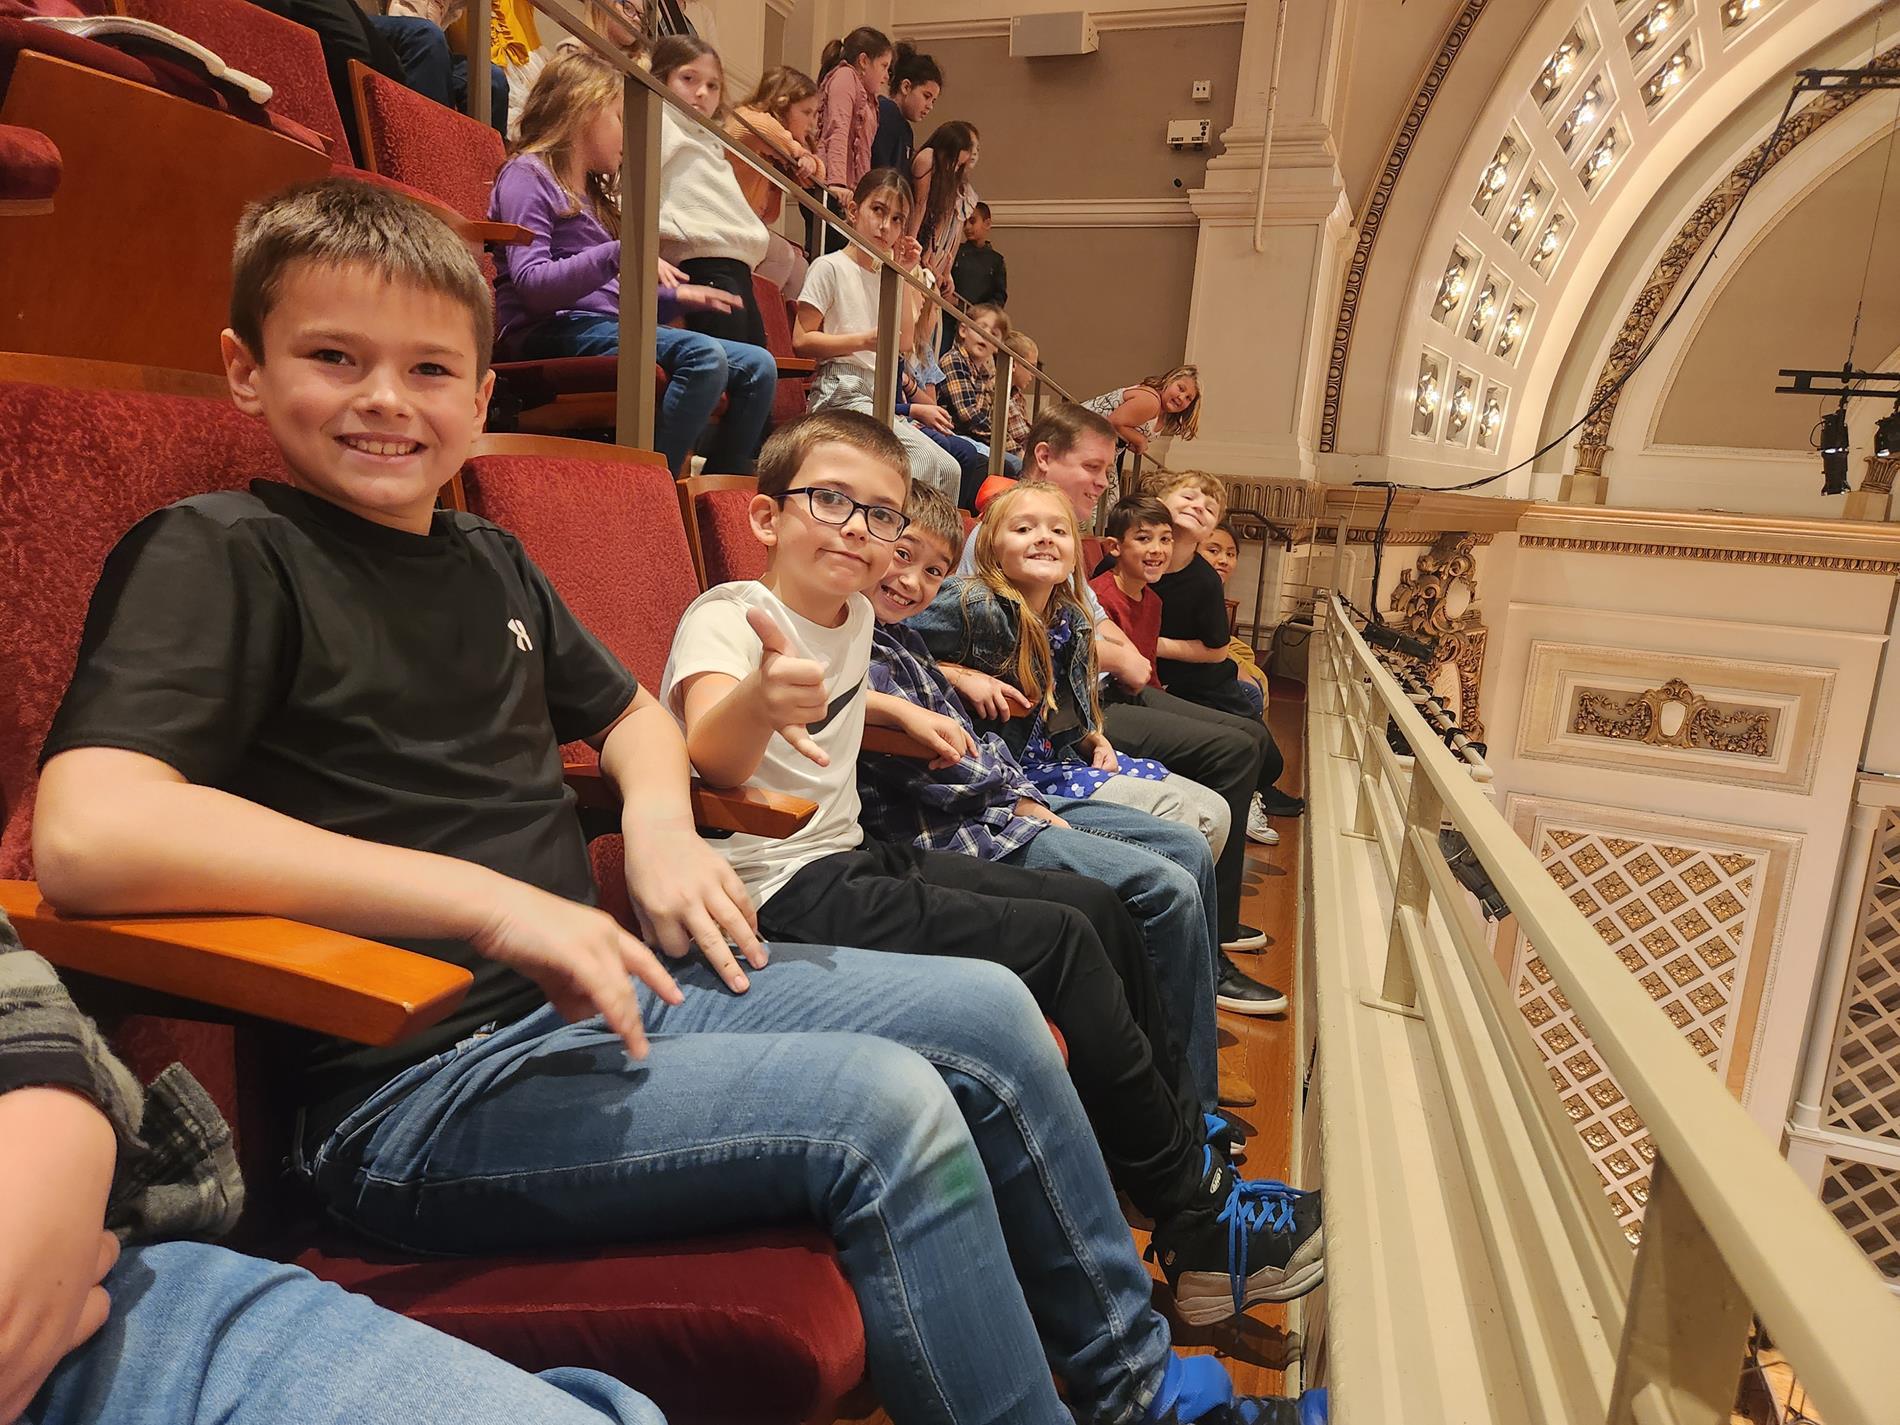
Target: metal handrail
{"x":1729,"y":1226}
{"x":639,"y":177}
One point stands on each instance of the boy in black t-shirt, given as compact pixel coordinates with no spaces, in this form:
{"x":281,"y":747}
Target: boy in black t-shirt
{"x":327,"y":700}
{"x":1192,"y":651}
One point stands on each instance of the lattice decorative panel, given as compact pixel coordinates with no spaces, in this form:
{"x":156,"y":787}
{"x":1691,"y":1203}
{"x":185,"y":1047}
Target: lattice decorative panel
{"x":1863,"y":1090}
{"x":1865,"y":1200}
{"x":1680,"y":917}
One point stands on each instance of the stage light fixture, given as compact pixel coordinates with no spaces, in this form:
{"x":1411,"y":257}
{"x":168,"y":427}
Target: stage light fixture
{"x":1832,"y":443}
{"x":1887,"y":432}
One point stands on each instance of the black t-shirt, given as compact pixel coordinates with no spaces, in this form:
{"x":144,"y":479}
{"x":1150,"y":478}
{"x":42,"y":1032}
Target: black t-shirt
{"x":408,"y":689}
{"x":1194,"y":606}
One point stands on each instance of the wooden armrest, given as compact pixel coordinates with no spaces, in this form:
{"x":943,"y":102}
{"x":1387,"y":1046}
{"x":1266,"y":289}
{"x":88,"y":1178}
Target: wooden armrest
{"x":895,"y":742}
{"x":742,"y":809}
{"x":507,"y":234}
{"x":282,"y":970}
{"x":796,"y":365}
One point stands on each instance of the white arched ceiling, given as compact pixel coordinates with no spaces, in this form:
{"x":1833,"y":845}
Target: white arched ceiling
{"x":1595,"y":111}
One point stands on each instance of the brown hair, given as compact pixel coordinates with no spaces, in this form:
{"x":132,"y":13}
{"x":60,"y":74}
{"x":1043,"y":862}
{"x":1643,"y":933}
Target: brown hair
{"x":861,"y":41}
{"x":1171,"y":480}
{"x":1186,"y":424}
{"x":932,"y":513}
{"x":1062,"y":428}
{"x":884,"y":180}
{"x":672,"y":52}
{"x":790,"y":446}
{"x":573,"y":87}
{"x":779,"y":88}
{"x":1133,"y":512}
{"x":342,"y":222}
{"x":947,"y":143}
{"x":1035,"y":662}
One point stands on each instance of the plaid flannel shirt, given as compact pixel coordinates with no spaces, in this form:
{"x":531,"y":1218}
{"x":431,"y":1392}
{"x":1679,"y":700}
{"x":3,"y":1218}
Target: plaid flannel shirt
{"x":969,"y":808}
{"x":966,"y":391}
{"x":177,"y":1171}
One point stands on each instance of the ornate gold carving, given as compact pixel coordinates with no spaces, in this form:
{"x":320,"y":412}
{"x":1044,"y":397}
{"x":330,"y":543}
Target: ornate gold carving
{"x":1710,"y":214}
{"x":1781,"y":559}
{"x":1703,"y":724}
{"x":1374,"y":216}
{"x":1880,"y":473}
{"x":1437,"y":599}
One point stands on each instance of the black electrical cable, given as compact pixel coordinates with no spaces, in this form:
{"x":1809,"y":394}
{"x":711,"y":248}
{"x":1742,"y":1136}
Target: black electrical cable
{"x":1605,"y":396}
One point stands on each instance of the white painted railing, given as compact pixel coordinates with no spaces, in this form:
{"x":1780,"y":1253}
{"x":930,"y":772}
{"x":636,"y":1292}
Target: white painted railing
{"x":1475,"y":1270}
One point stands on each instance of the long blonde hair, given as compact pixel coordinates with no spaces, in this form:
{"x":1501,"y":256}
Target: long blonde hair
{"x":1186,"y":424}
{"x":1035,"y":662}
{"x":573,"y":87}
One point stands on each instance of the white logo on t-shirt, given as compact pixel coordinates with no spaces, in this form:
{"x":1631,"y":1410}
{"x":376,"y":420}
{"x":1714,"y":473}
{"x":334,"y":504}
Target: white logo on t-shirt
{"x":520,"y":631}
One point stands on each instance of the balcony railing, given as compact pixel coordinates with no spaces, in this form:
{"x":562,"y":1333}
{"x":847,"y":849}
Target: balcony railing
{"x":643,"y":100}
{"x":1475,"y":1270}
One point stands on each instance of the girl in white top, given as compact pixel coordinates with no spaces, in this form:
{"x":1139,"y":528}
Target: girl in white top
{"x":837,"y":319}
{"x":707,"y":228}
{"x":1168,"y":404}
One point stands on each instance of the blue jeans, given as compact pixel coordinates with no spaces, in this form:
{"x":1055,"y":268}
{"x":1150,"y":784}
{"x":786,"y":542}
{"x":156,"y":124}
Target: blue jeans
{"x":916,"y":1109}
{"x":201,"y":1334}
{"x":1164,"y":874}
{"x":437,"y":74}
{"x":699,"y":369}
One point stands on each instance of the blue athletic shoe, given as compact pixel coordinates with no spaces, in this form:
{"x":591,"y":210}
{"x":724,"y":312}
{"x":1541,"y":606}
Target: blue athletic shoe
{"x":1251,"y":1242}
{"x":1198,"y":1391}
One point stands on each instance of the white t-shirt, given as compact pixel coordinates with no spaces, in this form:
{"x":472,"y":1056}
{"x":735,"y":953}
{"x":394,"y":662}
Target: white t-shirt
{"x":714,"y":637}
{"x":846,"y":295}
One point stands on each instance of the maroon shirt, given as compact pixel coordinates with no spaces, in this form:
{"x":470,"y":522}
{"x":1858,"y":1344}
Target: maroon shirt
{"x":1139,"y":618}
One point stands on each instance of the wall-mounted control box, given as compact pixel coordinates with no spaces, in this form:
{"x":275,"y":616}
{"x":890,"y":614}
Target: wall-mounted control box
{"x":1189,"y":133}
{"x":1203,"y":91}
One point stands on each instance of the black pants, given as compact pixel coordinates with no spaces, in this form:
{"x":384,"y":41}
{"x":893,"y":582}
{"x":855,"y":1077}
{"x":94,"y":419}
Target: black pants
{"x":728,"y":274}
{"x":1231,"y":756}
{"x":1071,"y":941}
{"x":1229,"y":697}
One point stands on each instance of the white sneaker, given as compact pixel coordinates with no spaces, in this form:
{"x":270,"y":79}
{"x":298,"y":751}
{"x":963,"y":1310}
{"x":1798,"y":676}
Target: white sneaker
{"x":1259,"y":826}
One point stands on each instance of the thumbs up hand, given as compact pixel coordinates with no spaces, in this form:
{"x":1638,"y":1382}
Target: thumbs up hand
{"x":791,"y":687}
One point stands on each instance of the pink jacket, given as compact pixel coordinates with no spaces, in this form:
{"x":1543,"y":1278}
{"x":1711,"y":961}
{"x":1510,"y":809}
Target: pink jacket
{"x":847,"y":122}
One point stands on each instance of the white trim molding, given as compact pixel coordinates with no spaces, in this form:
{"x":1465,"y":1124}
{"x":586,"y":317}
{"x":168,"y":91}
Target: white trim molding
{"x":1138,"y":17}
{"x":1092,"y":212}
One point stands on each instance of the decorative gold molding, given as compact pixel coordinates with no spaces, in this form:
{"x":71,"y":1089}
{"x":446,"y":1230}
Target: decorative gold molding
{"x":1405,"y":536}
{"x":1832,"y":563}
{"x":1423,"y":601}
{"x":1374,"y":217}
{"x":1703,"y":724}
{"x":1710,"y":214}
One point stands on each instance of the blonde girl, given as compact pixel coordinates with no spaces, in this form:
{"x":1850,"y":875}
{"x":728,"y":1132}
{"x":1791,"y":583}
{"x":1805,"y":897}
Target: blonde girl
{"x":776,"y":123}
{"x":1168,"y":404}
{"x":707,"y":228}
{"x":837,"y":318}
{"x":558,"y":294}
{"x":1022,"y":615}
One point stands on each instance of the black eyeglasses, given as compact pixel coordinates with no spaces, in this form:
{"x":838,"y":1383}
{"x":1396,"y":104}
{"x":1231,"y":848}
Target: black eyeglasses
{"x":836,"y":507}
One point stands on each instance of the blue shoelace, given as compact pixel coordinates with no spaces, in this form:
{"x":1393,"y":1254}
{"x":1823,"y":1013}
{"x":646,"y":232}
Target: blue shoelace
{"x":1251,"y":1206}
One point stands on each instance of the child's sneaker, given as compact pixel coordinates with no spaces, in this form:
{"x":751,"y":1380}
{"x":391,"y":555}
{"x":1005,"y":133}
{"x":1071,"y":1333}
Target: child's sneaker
{"x":1309,"y":1409}
{"x":1254,"y":1242}
{"x":1259,"y":828}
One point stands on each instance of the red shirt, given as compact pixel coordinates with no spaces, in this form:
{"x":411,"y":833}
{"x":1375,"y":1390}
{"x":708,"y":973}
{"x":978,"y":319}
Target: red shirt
{"x":1139,"y":617}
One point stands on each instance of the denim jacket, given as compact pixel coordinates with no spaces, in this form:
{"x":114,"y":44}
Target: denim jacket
{"x":968,"y":625}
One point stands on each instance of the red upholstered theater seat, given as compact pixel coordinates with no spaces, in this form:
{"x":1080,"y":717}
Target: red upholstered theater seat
{"x":790,"y":398}
{"x":284,"y":54}
{"x":759,"y":1327}
{"x":724,"y":546}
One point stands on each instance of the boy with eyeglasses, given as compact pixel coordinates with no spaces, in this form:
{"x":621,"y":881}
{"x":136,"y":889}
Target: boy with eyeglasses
{"x":770,"y":680}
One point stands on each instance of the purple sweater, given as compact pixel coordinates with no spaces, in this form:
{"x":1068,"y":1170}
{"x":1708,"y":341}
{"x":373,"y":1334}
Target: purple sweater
{"x":569,"y":264}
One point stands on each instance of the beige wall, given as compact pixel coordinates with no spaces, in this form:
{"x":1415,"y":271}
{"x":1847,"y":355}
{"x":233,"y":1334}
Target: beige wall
{"x":1108,"y":304}
{"x":1791,"y":303}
